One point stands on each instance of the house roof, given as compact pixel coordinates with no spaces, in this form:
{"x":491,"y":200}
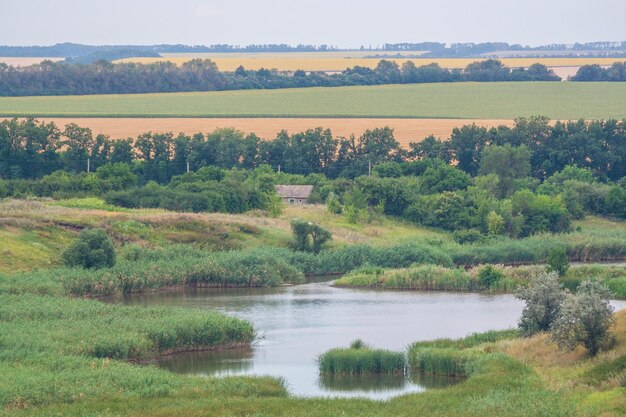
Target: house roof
{"x":294,"y":191}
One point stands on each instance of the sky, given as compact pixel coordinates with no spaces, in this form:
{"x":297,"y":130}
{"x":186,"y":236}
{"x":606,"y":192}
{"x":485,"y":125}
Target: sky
{"x":339,"y":23}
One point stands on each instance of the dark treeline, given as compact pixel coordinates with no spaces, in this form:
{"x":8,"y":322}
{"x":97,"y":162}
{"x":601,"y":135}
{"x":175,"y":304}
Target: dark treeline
{"x":616,"y":72}
{"x":74,"y":50}
{"x":517,"y":181}
{"x":435,"y":49}
{"x":458,"y":50}
{"x":30,"y":149}
{"x":49,"y":78}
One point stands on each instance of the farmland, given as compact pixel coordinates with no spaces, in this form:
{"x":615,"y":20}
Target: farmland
{"x":405,"y":130}
{"x":453,"y":100}
{"x":339,"y":61}
{"x":25,"y":61}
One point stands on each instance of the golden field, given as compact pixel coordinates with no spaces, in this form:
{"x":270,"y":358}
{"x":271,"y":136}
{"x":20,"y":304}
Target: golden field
{"x":25,"y":61}
{"x":333,"y":63}
{"x":405,"y":130}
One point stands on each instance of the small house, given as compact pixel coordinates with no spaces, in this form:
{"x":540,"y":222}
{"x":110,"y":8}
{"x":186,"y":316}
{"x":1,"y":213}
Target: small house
{"x":294,"y":194}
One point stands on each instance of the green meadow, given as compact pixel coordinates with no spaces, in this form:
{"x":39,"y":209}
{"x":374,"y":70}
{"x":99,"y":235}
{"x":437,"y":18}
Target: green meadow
{"x":495,"y":100}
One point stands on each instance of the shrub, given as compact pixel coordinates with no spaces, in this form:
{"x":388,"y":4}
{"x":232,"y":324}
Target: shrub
{"x":557,"y":261}
{"x":334,"y":205}
{"x":309,"y":237}
{"x":543,"y":303}
{"x":585,"y":318}
{"x":275,"y":205}
{"x":490,"y":276}
{"x":92,"y":249}
{"x":616,"y":200}
{"x":495,"y":224}
{"x":467,"y":236}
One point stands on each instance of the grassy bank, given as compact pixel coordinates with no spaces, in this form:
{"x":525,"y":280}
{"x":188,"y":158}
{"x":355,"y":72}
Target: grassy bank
{"x":453,"y":357}
{"x":56,"y":350}
{"x":494,"y":100}
{"x":482,"y":278}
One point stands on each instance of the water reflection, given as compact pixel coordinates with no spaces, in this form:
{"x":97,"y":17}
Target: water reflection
{"x":217,"y":362}
{"x":300,"y":323}
{"x":363,"y":383}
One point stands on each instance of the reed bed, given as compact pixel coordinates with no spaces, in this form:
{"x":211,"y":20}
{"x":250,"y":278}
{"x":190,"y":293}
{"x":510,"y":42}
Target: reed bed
{"x":453,"y":357}
{"x":361,"y":359}
{"x":492,"y":278}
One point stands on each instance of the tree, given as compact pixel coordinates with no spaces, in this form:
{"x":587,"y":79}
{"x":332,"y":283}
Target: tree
{"x":495,"y":224}
{"x":466,"y":145}
{"x":509,"y":163}
{"x":616,"y":200}
{"x":275,"y":204}
{"x":543,"y":303}
{"x":557,"y":261}
{"x":79,"y":143}
{"x":308,"y":236}
{"x":92,"y":249}
{"x":585,"y":318}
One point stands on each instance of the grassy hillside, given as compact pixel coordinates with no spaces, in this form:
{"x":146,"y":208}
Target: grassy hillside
{"x":34,"y":233}
{"x":452,"y":100}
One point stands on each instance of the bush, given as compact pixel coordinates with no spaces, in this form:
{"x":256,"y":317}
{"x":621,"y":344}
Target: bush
{"x":495,"y":224}
{"x":557,"y":261}
{"x":585,"y":318}
{"x":490,"y":276}
{"x":309,"y":237}
{"x":92,"y":249}
{"x":467,"y":236}
{"x":543,"y":304}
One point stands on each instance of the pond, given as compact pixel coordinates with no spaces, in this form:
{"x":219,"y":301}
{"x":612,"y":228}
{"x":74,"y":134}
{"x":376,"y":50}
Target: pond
{"x":298,"y":323}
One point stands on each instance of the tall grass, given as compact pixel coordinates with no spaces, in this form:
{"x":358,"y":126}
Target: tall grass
{"x":58,"y":349}
{"x":453,"y":357}
{"x":360,"y":359}
{"x":225,"y":269}
{"x":501,"y":278}
{"x":592,"y":246}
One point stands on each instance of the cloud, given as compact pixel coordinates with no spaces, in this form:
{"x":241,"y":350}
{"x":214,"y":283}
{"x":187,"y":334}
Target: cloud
{"x":206,"y":10}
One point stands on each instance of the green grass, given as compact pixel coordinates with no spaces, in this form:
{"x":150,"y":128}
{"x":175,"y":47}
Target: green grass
{"x":439,"y":278}
{"x":451,"y":100}
{"x":92,"y":203}
{"x":24,"y":248}
{"x":137,"y":272}
{"x":361,"y":360}
{"x":59,"y":350}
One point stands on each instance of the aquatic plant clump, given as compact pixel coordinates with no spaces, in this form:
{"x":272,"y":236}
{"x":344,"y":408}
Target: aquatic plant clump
{"x":361,"y":359}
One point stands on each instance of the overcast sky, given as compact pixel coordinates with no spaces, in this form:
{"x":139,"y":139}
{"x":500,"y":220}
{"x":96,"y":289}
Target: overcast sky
{"x":341,"y":23}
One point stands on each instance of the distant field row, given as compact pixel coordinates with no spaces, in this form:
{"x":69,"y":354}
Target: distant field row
{"x":405,"y":130}
{"x":447,"y":101}
{"x":333,"y":63}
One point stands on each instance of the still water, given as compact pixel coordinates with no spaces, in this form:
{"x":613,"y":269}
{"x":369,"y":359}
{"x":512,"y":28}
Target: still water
{"x":296,"y":324}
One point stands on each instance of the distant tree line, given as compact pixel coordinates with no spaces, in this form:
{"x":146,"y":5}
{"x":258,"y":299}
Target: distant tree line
{"x":435,"y":49}
{"x":469,"y":49}
{"x":74,"y":50}
{"x":616,"y":72}
{"x":50,"y":78}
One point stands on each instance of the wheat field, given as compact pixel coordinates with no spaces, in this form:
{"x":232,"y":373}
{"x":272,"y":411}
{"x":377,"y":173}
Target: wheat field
{"x":405,"y":130}
{"x":329,"y":62}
